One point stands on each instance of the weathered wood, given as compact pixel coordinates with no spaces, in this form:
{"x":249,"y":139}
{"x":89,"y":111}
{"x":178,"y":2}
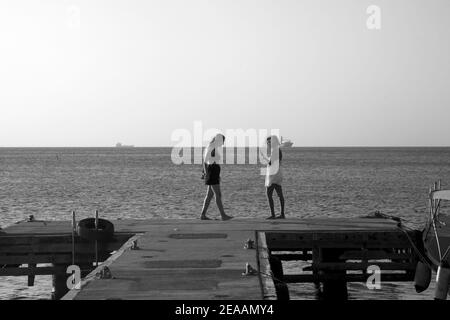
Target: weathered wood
{"x":291,"y":240}
{"x":175,"y":259}
{"x":31,"y":277}
{"x":362,"y":266}
{"x":26,"y":271}
{"x":98,"y":269}
{"x":293,"y":257}
{"x":333,"y":289}
{"x":308,"y":278}
{"x":58,"y":258}
{"x":264,"y":270}
{"x":373,"y":255}
{"x":59,"y":282}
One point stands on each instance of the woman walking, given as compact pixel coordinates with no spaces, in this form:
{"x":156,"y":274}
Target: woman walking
{"x":274,"y":176}
{"x":211,"y":174}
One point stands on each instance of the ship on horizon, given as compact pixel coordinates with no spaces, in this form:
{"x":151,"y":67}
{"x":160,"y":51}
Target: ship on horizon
{"x":286,"y":143}
{"x":120,"y":145}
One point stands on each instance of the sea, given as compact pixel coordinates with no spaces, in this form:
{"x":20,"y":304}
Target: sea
{"x":144,"y":183}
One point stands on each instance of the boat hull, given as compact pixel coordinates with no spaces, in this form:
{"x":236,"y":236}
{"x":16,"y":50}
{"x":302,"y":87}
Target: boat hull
{"x":431,"y":244}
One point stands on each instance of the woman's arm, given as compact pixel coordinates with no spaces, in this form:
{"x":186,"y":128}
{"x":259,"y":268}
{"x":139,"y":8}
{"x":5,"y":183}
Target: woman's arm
{"x":264,"y":157}
{"x":206,"y":157}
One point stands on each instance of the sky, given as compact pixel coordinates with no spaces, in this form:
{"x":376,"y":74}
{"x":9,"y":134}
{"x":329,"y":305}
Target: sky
{"x":94,"y":73}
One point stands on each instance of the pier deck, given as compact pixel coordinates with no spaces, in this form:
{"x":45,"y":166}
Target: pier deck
{"x":193,"y":259}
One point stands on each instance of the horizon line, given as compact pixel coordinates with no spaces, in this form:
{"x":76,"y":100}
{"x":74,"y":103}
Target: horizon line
{"x":142,"y":147}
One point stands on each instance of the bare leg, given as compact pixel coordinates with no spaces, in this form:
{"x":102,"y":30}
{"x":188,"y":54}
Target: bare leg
{"x":269,"y":192}
{"x":279,"y":191}
{"x":218,"y":195}
{"x":206,"y":202}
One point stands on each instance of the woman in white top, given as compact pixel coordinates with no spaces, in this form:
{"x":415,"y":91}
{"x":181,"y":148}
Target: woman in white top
{"x":211,"y":174}
{"x":274,"y":175}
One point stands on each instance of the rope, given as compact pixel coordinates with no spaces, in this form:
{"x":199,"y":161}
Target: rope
{"x":271,"y":276}
{"x":418,"y":252}
{"x":400,"y":225}
{"x":437,"y":239}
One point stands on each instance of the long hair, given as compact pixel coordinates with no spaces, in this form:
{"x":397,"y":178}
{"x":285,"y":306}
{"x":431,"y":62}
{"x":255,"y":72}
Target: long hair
{"x":274,"y":145}
{"x":215,"y":142}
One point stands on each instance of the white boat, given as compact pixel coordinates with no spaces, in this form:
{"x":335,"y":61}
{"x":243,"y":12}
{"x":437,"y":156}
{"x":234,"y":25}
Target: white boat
{"x":437,"y":231}
{"x":286,"y":143}
{"x":119,"y":145}
{"x":436,"y":244}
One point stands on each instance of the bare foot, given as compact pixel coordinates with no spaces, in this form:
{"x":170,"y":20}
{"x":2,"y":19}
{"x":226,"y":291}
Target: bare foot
{"x":204,"y":218}
{"x":225,"y":218}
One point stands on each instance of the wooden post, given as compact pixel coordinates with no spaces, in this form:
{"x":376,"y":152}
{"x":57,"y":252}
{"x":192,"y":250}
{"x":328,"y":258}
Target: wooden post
{"x":96,"y":242}
{"x":334,"y":289}
{"x":59,"y":281}
{"x":86,"y":268}
{"x":281,"y":288}
{"x":31,"y":277}
{"x":316,"y":259}
{"x":74,"y":223}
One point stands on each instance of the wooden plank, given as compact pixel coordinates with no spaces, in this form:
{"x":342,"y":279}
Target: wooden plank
{"x":308,"y":278}
{"x":136,"y":226}
{"x":133,"y":278}
{"x":264,"y":270}
{"x":373,"y":255}
{"x":21,"y":239}
{"x":92,"y":276}
{"x":64,"y":258}
{"x":300,"y":245}
{"x":156,"y":272}
{"x":293,"y":257}
{"x":331,"y":266}
{"x":82,"y":248}
{"x":26,"y":271}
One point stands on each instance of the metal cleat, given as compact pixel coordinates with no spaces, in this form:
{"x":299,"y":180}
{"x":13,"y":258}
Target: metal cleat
{"x":249,"y":270}
{"x":135,"y":246}
{"x":105,"y":273}
{"x":249,"y":244}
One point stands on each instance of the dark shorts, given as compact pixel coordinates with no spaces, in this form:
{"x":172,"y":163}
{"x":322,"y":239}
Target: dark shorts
{"x":212,"y":175}
{"x":275,"y":186}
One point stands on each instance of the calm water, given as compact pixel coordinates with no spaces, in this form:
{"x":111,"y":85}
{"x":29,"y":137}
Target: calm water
{"x":143,"y":183}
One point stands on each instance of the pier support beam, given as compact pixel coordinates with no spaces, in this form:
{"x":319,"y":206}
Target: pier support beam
{"x":31,"y":278}
{"x":60,"y":279}
{"x":281,"y":287}
{"x":59,"y":283}
{"x":334,"y":289}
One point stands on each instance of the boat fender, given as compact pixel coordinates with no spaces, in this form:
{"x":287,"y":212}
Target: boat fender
{"x":422,"y":278}
{"x":86,"y":229}
{"x":442,"y":281}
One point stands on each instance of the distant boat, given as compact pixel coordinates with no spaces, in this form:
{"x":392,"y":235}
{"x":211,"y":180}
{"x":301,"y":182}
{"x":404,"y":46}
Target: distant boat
{"x":119,"y":145}
{"x":286,"y":143}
